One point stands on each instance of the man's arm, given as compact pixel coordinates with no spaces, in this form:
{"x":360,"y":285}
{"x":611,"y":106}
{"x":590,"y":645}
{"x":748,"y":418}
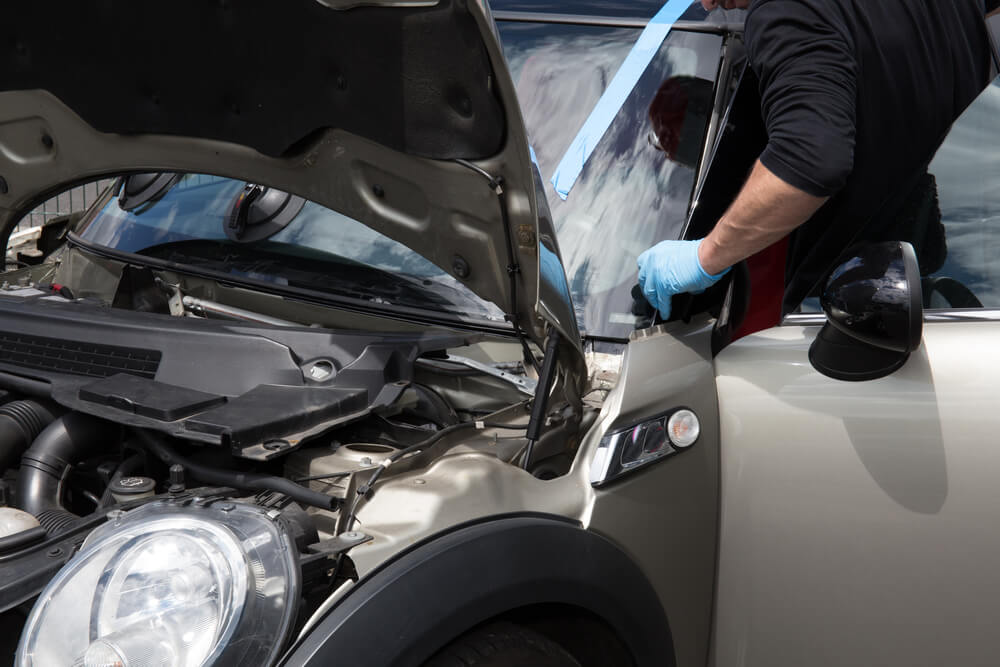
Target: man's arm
{"x":766,"y":210}
{"x":805,"y":61}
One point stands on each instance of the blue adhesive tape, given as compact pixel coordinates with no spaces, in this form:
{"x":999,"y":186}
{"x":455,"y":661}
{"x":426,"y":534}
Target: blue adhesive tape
{"x":614,"y":97}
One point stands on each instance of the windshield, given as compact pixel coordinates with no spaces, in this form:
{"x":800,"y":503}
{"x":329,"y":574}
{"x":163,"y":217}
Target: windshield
{"x":635,"y":188}
{"x":311,"y":248}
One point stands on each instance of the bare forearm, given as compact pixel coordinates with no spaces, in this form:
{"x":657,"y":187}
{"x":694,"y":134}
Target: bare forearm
{"x":766,"y":210}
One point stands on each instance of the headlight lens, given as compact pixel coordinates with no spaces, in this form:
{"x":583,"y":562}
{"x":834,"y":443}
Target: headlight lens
{"x":170,"y":598}
{"x":169,"y":585}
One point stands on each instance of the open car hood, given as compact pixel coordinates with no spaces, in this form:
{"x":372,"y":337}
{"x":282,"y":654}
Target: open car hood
{"x":363,"y":107}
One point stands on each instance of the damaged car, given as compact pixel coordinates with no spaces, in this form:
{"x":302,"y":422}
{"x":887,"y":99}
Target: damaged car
{"x":334,"y":372}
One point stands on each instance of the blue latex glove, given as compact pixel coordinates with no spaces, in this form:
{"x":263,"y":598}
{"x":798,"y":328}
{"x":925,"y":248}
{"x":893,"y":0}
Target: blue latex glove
{"x":672,"y":267}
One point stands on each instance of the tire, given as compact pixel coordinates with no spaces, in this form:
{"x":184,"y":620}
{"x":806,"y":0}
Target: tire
{"x":502,"y":645}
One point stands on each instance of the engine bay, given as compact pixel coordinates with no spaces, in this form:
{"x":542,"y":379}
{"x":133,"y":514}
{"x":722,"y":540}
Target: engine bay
{"x":296,"y":331}
{"x":151,"y":393}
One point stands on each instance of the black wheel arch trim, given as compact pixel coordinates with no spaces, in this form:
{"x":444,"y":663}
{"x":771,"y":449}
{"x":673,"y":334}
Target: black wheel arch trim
{"x":408,"y":609}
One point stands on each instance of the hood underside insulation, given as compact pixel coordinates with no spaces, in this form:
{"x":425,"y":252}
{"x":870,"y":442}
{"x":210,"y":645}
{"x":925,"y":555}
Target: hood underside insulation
{"x":263,"y":74}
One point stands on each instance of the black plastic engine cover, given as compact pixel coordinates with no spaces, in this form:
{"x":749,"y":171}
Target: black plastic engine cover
{"x":253,"y":388}
{"x":149,"y":398}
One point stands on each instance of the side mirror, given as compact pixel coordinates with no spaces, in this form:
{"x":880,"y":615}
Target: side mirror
{"x":874,"y":310}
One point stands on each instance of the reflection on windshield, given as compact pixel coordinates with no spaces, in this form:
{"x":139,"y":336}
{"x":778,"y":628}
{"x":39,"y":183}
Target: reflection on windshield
{"x":188,"y":225}
{"x":636,"y":187}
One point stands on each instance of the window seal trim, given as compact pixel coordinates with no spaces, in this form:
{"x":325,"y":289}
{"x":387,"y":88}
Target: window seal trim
{"x":725,"y":93}
{"x":613,"y":21}
{"x":930,"y":316}
{"x":803,"y":320}
{"x":962,"y":315}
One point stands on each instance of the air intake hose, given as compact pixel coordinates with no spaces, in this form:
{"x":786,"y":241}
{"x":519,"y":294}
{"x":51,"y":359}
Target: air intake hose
{"x":66,"y":441}
{"x":20,"y":424}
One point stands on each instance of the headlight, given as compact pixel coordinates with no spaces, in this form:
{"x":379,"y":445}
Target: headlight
{"x":170,"y":584}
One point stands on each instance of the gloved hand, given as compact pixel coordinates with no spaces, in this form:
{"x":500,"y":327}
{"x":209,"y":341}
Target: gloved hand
{"x":672,"y":267}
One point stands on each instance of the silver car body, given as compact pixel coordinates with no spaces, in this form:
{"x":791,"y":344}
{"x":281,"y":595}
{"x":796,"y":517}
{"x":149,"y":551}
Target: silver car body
{"x":664,"y":517}
{"x":854,"y":523}
{"x":814,"y":522}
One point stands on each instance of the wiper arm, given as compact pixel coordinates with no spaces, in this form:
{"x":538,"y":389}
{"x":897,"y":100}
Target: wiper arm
{"x":181,"y":303}
{"x":524,"y":384}
{"x":204,"y":307}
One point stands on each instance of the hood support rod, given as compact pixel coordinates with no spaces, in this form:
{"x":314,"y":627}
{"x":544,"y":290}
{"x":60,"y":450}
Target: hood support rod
{"x":495,"y":183}
{"x":539,"y":405}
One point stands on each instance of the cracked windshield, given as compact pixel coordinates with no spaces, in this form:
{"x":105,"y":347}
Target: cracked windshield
{"x":636,"y":187}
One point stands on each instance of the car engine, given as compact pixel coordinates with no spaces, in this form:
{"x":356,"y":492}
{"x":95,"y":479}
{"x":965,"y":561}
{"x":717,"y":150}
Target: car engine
{"x":167,"y":399}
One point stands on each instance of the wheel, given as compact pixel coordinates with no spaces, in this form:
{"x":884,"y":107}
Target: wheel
{"x":502,"y":645}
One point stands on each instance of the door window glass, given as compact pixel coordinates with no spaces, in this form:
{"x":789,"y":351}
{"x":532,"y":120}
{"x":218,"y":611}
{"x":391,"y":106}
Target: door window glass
{"x":967,"y":171}
{"x":636,"y":187}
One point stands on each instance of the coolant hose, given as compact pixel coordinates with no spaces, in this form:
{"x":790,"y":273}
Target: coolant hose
{"x":20,"y":424}
{"x":66,"y":441}
{"x":245,"y":481}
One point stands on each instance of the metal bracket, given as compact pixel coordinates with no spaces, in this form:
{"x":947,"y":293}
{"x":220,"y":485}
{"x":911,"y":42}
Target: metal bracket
{"x":339,"y":544}
{"x":525,"y":384}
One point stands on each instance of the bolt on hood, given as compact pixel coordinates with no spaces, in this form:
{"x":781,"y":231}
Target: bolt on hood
{"x":363,"y":107}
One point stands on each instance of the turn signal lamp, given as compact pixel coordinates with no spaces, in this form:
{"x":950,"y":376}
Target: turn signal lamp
{"x":637,"y":446}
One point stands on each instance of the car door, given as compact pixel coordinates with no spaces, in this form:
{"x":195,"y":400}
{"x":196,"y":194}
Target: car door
{"x":858,"y":519}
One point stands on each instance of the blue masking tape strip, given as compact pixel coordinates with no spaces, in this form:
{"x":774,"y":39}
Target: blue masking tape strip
{"x":614,"y":97}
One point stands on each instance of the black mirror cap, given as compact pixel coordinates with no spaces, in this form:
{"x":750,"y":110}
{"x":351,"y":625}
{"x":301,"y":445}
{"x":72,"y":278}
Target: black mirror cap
{"x":874,"y":310}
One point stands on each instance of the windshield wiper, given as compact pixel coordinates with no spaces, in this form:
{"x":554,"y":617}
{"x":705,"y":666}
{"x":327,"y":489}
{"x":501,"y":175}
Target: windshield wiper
{"x":328,"y":272}
{"x":207,"y":308}
{"x":435,"y":317}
